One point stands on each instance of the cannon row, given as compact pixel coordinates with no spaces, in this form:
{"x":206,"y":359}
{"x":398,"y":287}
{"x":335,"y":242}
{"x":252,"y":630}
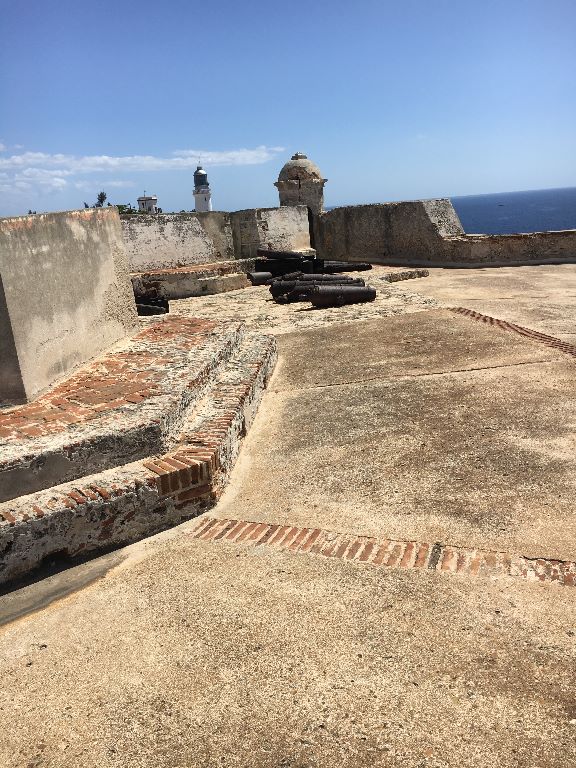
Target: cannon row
{"x":279,"y":263}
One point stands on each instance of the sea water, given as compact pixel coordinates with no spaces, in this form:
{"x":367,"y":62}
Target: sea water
{"x":509,"y":212}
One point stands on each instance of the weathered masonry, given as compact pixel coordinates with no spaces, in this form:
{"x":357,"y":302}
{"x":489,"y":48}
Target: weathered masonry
{"x":64,"y":296}
{"x":171,"y":241}
{"x":429,"y":232}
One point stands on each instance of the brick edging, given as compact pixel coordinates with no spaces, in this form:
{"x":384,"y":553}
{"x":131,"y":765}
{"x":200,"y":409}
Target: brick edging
{"x":127,"y":503}
{"x":543,"y":338}
{"x":379,"y":552}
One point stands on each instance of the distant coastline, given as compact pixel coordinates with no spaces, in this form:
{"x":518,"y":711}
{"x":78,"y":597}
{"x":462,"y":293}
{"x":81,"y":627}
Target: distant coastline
{"x":505,"y":213}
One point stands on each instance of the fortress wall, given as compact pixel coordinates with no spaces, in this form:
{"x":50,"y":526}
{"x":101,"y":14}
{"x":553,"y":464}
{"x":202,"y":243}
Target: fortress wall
{"x":171,"y":240}
{"x":429,"y":232}
{"x":500,"y":250}
{"x":284,"y":228}
{"x":386,"y":231}
{"x":65,"y":296}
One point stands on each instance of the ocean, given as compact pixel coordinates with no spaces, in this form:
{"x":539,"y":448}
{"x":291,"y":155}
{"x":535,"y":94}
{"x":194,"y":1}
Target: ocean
{"x":508,"y":212}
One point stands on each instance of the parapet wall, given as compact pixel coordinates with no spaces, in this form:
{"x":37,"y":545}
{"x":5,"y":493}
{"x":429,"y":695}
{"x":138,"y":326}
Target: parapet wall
{"x":429,"y":232}
{"x":283,"y":229}
{"x":171,"y":241}
{"x":65,"y":296}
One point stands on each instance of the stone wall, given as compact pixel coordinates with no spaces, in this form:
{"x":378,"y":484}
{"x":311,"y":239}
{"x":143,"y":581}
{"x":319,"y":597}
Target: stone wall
{"x":500,"y":250}
{"x":171,"y":241}
{"x":65,"y":296}
{"x":285,"y":229}
{"x":428,"y":232}
{"x":168,"y":241}
{"x":386,"y":231}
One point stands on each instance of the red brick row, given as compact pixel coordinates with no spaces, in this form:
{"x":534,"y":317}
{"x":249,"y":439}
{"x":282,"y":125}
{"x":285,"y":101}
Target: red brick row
{"x":386,"y":552}
{"x":549,"y":341}
{"x":115,"y":380}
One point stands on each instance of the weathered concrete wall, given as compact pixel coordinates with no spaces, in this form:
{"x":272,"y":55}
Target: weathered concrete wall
{"x":386,"y":231}
{"x":66,"y":296}
{"x":499,"y":250}
{"x":168,"y":241}
{"x":428,"y":232}
{"x":285,"y":228}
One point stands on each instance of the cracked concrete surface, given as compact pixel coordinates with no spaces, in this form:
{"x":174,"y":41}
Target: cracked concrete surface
{"x":190,"y":653}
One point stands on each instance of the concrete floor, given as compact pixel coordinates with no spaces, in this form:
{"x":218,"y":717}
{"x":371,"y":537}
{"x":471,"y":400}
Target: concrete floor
{"x":189,"y":653}
{"x":539,"y":297}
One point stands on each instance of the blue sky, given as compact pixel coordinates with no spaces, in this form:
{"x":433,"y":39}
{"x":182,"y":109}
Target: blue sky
{"x":393,"y":100}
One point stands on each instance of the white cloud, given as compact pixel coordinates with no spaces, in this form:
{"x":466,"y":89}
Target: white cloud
{"x":184,"y":158}
{"x":87,"y":186}
{"x":3,"y":147}
{"x":25,"y":171}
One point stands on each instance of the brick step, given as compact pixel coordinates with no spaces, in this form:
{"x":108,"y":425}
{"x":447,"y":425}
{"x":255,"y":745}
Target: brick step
{"x":124,"y":504}
{"x":121,"y":407}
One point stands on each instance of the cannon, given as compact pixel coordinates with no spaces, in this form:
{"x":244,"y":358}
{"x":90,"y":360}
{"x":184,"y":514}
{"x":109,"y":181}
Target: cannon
{"x":346,"y":266}
{"x":287,"y":262}
{"x":298,"y":290}
{"x":259,"y":278}
{"x":320,"y":278}
{"x":339,"y":295}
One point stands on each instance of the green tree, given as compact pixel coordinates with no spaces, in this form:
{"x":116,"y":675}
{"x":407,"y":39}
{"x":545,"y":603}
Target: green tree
{"x":101,"y":199}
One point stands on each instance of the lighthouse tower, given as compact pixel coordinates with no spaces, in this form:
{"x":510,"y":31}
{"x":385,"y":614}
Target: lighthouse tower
{"x":202,"y":194}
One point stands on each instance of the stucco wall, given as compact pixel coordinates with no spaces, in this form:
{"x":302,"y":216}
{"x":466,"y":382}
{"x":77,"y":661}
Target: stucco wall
{"x":385,"y":230}
{"x":497,"y":250}
{"x":285,"y":228}
{"x":168,"y":241}
{"x":66,"y":295}
{"x":428,"y":232}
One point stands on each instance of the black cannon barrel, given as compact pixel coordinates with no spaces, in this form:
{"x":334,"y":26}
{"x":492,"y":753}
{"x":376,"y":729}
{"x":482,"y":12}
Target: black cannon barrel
{"x":266,"y":253}
{"x":279,"y":267}
{"x":285,"y":286}
{"x":146,"y":310}
{"x":280,"y":286}
{"x":259,"y":278}
{"x":346,"y":266}
{"x":338,"y":295}
{"x":321,"y":278}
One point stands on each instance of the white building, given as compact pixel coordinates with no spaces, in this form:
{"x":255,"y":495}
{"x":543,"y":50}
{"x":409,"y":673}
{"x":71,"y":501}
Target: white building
{"x":148,"y":203}
{"x":202,"y":194}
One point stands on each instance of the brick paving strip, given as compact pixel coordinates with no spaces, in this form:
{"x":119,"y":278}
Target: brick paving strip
{"x":543,"y":338}
{"x":389,"y":553}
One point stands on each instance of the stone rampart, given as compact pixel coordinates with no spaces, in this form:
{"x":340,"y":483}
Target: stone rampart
{"x":65,"y":296}
{"x":283,"y":229}
{"x":175,"y":240}
{"x":169,"y":241}
{"x":428,"y":232}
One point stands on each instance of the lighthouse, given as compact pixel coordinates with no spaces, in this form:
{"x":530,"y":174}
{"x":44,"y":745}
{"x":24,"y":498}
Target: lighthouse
{"x":202,"y":194}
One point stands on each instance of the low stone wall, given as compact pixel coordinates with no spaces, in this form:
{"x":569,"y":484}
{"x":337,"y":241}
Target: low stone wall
{"x":175,"y":240}
{"x":185,"y":282}
{"x":502,"y":250}
{"x":169,"y":241}
{"x":65,"y":296}
{"x":383,"y":232}
{"x":283,"y":229}
{"x":428,"y":232}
